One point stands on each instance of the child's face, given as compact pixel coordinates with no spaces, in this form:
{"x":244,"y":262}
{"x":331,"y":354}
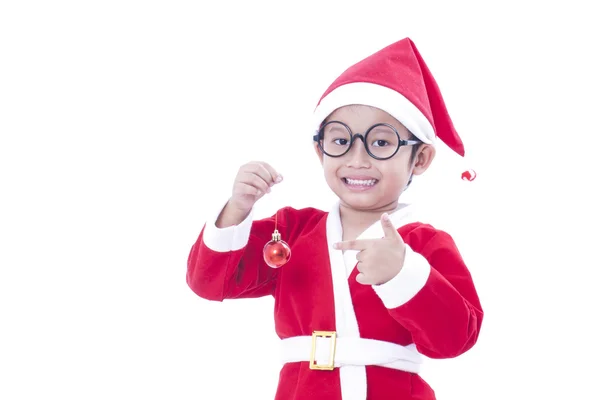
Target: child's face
{"x":362,"y":182}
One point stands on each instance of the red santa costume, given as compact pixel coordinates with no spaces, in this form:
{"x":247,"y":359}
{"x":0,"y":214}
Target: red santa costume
{"x":341,"y":339}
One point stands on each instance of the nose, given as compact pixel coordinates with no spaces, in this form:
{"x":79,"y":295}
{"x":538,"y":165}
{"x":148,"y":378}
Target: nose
{"x":357,"y":156}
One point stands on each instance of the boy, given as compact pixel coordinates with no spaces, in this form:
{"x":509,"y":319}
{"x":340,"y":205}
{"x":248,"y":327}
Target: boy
{"x":369,"y":288}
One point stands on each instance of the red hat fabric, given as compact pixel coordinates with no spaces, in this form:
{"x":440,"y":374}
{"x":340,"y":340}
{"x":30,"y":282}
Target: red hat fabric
{"x":396,"y":80}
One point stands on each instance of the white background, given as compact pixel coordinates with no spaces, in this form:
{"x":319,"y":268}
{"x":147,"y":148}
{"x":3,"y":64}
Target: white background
{"x":123,"y":123}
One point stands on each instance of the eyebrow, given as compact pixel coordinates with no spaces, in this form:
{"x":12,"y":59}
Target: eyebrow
{"x":336,"y":128}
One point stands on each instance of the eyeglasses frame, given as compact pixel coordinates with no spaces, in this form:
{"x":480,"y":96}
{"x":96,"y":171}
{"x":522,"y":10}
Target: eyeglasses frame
{"x":363,"y":138}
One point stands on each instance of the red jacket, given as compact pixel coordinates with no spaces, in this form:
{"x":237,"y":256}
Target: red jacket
{"x":430,"y":308}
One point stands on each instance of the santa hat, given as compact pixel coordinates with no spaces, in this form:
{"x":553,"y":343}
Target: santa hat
{"x":396,"y":80}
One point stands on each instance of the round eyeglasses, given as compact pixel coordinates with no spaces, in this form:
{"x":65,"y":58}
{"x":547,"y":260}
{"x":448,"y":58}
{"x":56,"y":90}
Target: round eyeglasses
{"x":381,"y":141}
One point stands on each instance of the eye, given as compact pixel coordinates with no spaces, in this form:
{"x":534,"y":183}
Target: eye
{"x":380,"y":143}
{"x":341,"y":142}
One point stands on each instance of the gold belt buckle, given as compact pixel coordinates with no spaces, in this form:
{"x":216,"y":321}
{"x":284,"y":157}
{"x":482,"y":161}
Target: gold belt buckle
{"x":325,"y":334}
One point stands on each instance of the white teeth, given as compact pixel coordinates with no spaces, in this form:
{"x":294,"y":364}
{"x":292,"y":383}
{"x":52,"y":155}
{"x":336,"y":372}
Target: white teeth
{"x":369,"y":182}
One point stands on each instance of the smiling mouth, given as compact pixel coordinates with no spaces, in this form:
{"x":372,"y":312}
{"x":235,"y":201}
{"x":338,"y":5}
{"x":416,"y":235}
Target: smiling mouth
{"x":360,"y":182}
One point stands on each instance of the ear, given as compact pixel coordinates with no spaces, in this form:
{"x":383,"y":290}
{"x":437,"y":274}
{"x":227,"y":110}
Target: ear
{"x":319,"y":152}
{"x":423,"y":159}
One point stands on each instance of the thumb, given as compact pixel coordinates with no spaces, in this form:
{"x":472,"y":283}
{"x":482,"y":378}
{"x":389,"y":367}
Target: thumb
{"x":389,"y":230}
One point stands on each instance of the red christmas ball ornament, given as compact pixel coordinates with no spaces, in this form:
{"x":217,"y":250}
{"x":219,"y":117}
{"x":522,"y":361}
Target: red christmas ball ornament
{"x":276,"y":252}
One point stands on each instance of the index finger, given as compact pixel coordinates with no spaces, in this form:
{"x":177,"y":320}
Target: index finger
{"x":357,"y":244}
{"x":263,"y":170}
{"x":275,"y":176}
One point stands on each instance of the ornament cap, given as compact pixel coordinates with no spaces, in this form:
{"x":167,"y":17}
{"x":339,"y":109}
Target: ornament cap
{"x":276,"y":236}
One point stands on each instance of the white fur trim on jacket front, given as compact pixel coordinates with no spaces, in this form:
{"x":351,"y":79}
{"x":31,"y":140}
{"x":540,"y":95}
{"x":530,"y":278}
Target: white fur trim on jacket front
{"x":353,"y":378}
